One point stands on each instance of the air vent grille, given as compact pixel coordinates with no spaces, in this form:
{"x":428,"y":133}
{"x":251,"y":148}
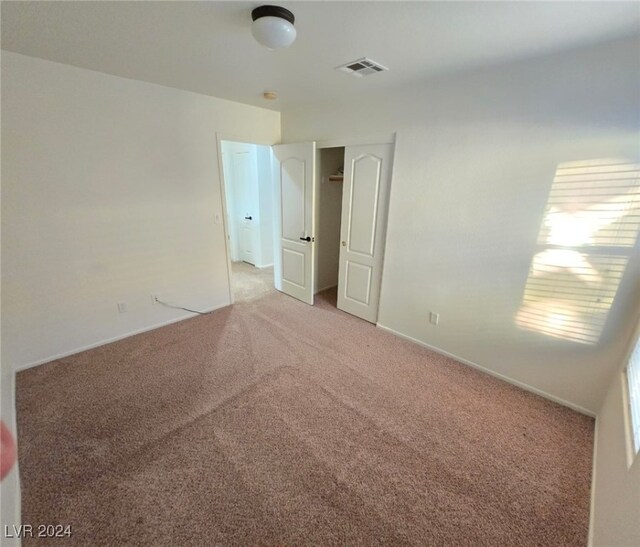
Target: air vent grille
{"x":362,"y":67}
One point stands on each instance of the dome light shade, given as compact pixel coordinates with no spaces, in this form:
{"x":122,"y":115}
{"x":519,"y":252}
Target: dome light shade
{"x":273,"y":26}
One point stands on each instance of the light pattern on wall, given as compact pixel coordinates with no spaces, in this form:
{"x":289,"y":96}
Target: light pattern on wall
{"x":591,"y":223}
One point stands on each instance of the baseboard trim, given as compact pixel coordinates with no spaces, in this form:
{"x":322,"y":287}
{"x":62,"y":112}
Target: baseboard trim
{"x":592,"y":508}
{"x":106,"y":341}
{"x":507,"y":379}
{"x":326,"y":288}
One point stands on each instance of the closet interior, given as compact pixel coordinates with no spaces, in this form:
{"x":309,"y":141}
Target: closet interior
{"x":330,"y":163}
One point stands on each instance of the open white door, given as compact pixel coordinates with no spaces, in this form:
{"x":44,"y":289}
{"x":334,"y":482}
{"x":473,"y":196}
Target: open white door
{"x":294,"y":222}
{"x":365,"y":198}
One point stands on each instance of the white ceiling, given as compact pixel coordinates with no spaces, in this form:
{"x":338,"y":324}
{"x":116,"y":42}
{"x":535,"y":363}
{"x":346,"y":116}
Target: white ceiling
{"x":207,"y":47}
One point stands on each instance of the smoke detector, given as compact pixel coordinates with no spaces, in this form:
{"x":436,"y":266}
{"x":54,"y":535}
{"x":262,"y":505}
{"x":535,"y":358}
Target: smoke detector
{"x":362,"y":67}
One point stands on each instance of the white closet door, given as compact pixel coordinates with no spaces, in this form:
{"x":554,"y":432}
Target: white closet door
{"x":365,"y":198}
{"x":295,"y":195}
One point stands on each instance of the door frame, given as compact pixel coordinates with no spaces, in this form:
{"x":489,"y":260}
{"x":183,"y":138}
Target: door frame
{"x":222,"y":136}
{"x":372,"y":258}
{"x":384,"y":138}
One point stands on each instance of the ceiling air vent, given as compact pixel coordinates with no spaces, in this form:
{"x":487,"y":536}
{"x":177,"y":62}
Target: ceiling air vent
{"x":362,"y":67}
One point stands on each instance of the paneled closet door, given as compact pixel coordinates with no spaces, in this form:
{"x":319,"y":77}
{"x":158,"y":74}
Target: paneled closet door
{"x":294,"y":219}
{"x":365,"y":199}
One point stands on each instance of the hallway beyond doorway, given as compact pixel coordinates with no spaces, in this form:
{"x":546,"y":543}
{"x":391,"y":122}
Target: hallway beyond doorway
{"x":249,"y":282}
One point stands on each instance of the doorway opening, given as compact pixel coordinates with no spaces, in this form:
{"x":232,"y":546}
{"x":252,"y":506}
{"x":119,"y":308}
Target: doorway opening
{"x":352,"y":198}
{"x":248,"y":190}
{"x":329,"y":217}
{"x":328,"y":214}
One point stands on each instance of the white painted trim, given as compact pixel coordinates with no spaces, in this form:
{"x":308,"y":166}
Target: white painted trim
{"x":225,"y":136}
{"x":629,"y":441}
{"x":11,"y":496}
{"x":222,"y":136}
{"x":632,"y":455}
{"x":386,"y":221}
{"x":225,"y":214}
{"x":326,"y":288}
{"x":386,"y":138}
{"x":592,"y":507}
{"x":17,"y":493}
{"x":507,"y":379}
{"x":115,"y":339}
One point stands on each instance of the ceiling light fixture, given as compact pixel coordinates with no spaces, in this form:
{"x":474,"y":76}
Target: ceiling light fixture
{"x":273,"y":26}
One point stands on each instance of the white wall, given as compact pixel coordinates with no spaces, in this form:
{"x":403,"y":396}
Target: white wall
{"x":329,"y":212}
{"x":616,"y":484}
{"x":109,"y":191}
{"x":265,"y":186}
{"x":476,"y":154}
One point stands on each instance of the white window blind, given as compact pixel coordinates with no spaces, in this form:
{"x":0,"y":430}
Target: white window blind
{"x":633,"y":379}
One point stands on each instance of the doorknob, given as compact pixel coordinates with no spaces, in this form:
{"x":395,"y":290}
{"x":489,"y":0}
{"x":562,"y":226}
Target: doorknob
{"x":306,"y":238}
{"x":248,"y":218}
{"x":344,"y":243}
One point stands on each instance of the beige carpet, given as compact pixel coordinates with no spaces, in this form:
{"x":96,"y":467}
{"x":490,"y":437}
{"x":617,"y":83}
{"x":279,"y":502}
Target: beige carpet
{"x":276,"y":423}
{"x":249,"y":282}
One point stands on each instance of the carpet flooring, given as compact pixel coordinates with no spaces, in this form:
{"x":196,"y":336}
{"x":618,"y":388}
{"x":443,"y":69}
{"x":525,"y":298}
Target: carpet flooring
{"x":271,"y":422}
{"x":249,"y":282}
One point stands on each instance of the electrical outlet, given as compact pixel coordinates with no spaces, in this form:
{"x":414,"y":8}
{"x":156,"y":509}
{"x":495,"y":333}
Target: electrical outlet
{"x":122,"y":307}
{"x":155,"y":299}
{"x":434,"y":318}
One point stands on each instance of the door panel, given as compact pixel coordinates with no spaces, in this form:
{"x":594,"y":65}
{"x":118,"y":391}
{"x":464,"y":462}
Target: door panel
{"x":365,"y":200}
{"x":292,"y":200}
{"x":246,"y":242}
{"x":293,"y":267}
{"x":295,"y":191}
{"x":358,"y":282}
{"x":245,"y":202}
{"x":365,"y":193}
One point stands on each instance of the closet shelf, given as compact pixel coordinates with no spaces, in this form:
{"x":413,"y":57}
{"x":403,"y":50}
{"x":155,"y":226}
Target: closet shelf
{"x":336,"y":178}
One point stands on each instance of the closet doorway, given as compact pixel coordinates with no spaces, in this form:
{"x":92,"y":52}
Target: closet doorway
{"x":248,"y":191}
{"x":328,"y":219}
{"x":352,"y":199}
{"x":317,"y":213}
